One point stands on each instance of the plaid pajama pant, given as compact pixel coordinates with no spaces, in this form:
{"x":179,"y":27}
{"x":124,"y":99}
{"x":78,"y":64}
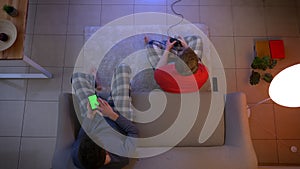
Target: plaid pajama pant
{"x":156,"y":49}
{"x":84,"y":86}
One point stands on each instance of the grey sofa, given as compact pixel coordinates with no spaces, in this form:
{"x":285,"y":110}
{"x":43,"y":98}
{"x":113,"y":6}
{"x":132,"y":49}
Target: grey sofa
{"x":230,"y":147}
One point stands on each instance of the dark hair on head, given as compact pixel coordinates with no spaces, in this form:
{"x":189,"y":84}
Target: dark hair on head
{"x":187,"y":63}
{"x":90,"y":155}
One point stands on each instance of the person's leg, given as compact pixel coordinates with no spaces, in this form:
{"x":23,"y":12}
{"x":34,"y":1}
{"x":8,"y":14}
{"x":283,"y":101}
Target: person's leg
{"x":84,"y":86}
{"x":195,"y":43}
{"x":120,"y":91}
{"x":155,"y":49}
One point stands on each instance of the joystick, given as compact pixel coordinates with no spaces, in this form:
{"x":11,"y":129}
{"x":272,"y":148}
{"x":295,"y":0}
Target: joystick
{"x":177,"y":43}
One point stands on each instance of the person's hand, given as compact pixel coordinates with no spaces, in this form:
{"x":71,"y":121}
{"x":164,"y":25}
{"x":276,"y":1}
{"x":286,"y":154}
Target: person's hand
{"x":183,"y":42}
{"x":106,"y":110}
{"x":170,"y":45}
{"x":91,"y":113}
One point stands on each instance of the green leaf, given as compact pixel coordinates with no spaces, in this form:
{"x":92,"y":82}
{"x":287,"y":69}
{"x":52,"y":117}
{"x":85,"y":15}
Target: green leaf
{"x":268,"y":77}
{"x":254,"y":78}
{"x":272,"y":63}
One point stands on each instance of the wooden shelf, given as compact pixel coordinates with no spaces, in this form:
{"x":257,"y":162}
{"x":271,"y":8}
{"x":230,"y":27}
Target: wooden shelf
{"x":16,"y":51}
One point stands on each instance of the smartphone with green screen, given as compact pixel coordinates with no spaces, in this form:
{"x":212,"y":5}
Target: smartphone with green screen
{"x":93,"y":102}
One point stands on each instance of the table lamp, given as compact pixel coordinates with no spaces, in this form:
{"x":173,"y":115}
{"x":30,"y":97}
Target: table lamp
{"x":285,"y":87}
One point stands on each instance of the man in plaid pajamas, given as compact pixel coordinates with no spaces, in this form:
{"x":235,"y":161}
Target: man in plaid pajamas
{"x":187,"y":73}
{"x":100,"y":126}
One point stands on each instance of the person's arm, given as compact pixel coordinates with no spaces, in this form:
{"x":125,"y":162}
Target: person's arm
{"x":117,"y":162}
{"x":84,"y":86}
{"x":125,"y":125}
{"x":183,"y":42}
{"x":164,"y":58}
{"x":195,"y":43}
{"x":88,"y":121}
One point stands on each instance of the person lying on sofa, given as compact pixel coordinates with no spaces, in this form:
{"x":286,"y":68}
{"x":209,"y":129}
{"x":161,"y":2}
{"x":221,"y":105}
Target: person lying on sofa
{"x":104,"y":125}
{"x":187,"y":73}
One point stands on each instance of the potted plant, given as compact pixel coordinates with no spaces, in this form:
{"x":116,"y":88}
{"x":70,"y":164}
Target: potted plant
{"x":10,"y":10}
{"x":262,"y":63}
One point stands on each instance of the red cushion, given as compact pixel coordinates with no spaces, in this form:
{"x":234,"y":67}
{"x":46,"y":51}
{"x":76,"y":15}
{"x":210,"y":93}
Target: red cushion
{"x":277,"y":49}
{"x":171,"y":81}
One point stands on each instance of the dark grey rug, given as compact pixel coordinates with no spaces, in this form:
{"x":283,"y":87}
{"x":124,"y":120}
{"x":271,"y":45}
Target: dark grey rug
{"x":141,"y":82}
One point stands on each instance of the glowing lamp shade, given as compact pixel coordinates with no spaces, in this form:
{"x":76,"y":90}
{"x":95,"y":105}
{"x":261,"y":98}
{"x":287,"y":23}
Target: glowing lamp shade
{"x":285,"y":87}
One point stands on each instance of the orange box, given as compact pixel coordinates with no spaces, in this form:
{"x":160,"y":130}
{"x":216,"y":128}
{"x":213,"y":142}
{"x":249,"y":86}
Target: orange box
{"x":262,"y":48}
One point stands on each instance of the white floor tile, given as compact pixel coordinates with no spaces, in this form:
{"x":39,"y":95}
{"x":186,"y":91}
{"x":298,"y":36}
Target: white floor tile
{"x":261,"y":128}
{"x":53,"y":1}
{"x":247,"y":2}
{"x":40,"y":119}
{"x":287,"y":122}
{"x":30,"y":18}
{"x":36,"y":153}
{"x":67,"y":87}
{"x":85,"y":2}
{"x":215,"y":2}
{"x":218,"y":19}
{"x":13,"y":63}
{"x":45,"y":89}
{"x":254,"y":93}
{"x":279,"y":167}
{"x":231,"y":80}
{"x":74,"y":45}
{"x":79,"y":17}
{"x":51,"y":19}
{"x":48,"y":50}
{"x":32,"y":1}
{"x":190,"y":13}
{"x":249,"y":21}
{"x":9,"y":152}
{"x":152,"y":2}
{"x":266,"y":150}
{"x":11,"y":117}
{"x":123,"y":10}
{"x":27,"y":46}
{"x":280,"y":3}
{"x":152,"y":8}
{"x":185,"y":2}
{"x":244,"y":51}
{"x":142,"y":19}
{"x":282,"y":21}
{"x":13,"y":89}
{"x":126,"y":2}
{"x":225,"y":49}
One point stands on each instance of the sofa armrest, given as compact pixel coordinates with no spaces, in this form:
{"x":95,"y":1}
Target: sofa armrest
{"x":66,"y":133}
{"x":237,"y":134}
{"x":237,"y":125}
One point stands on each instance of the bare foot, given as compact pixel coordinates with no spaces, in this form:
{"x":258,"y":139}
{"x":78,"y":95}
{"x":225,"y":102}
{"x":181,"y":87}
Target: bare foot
{"x":97,"y":83}
{"x":93,"y":71}
{"x":146,"y":39}
{"x":98,"y":87}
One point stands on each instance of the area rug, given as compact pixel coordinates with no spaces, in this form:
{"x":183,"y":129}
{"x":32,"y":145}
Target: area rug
{"x":134,"y":48}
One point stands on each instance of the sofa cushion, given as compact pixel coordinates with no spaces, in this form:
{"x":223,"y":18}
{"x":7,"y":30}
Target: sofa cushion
{"x":144,"y":82}
{"x":141,"y":102}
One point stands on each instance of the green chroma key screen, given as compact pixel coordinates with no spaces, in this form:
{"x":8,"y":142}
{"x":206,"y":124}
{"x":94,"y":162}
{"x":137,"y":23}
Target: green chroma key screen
{"x":93,"y":101}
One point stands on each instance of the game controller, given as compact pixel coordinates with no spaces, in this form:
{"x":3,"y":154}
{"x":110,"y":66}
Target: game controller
{"x":177,"y":43}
